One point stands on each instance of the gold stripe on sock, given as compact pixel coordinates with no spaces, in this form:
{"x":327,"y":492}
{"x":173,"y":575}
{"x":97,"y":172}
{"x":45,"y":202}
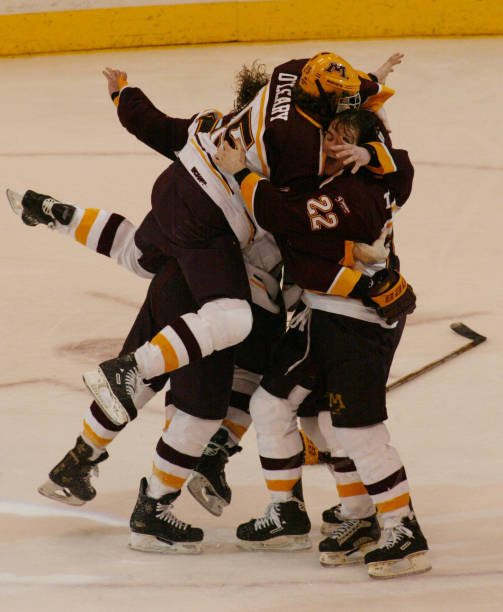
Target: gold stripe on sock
{"x":237,"y":429}
{"x":393,"y":504}
{"x":170,"y":480}
{"x":95,"y":439}
{"x":168,"y":352}
{"x":281,"y":485}
{"x":352,"y":489}
{"x":82,"y":231}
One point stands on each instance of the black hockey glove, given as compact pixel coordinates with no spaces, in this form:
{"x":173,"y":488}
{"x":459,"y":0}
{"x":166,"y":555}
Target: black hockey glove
{"x":388,"y":292}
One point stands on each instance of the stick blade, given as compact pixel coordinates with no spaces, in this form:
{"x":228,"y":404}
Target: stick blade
{"x":466,"y":332}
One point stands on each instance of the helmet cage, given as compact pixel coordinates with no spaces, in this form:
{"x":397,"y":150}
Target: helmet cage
{"x":348,"y":102}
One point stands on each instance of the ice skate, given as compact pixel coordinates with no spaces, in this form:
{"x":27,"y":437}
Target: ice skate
{"x":35,"y":208}
{"x":283,"y":527}
{"x":207,"y":483}
{"x":70,"y":480}
{"x":155,"y":529}
{"x":349,"y":542}
{"x":402,"y":550}
{"x":114,"y":386}
{"x":332,"y":518}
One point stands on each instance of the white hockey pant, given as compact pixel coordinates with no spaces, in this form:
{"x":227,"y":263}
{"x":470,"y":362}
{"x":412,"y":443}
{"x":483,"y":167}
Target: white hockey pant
{"x":217,"y":325}
{"x":278,"y":438}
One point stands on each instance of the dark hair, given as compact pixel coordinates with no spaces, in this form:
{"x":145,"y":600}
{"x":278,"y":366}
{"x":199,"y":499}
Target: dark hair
{"x":365,"y":123}
{"x":249,"y":80}
{"x":322,"y":109}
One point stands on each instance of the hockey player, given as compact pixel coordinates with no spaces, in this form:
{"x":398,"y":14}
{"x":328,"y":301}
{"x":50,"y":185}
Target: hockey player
{"x":348,"y":344}
{"x":203,"y":388}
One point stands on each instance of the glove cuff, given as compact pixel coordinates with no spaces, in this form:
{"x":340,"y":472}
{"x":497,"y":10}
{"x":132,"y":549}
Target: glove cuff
{"x":390,"y":294}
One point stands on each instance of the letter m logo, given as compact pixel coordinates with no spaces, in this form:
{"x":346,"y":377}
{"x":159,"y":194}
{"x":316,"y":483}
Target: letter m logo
{"x":334,"y":67}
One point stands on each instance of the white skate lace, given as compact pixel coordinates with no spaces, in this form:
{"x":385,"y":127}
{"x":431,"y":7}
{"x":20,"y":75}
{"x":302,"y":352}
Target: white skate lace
{"x":393,"y":535}
{"x":164,"y":513}
{"x":47,"y":206}
{"x":345,"y":529}
{"x":212,"y":449}
{"x":300,"y":320}
{"x":271,"y":517}
{"x":130,"y":383}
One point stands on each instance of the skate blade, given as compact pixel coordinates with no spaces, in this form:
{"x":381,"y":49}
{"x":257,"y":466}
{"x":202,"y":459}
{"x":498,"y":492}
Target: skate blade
{"x":99,"y":388}
{"x":15,"y":201}
{"x":279,"y":544}
{"x":202,"y":491}
{"x":417,"y":563}
{"x":149,"y":543}
{"x":334,"y":559}
{"x":58,"y":493}
{"x":348,"y":557}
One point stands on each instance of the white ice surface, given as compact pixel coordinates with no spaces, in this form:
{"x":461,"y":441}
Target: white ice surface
{"x":64,"y":309}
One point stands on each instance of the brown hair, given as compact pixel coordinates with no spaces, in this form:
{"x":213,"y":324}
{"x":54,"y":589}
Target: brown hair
{"x":249,"y":80}
{"x":367,"y":126}
{"x":322,"y":108}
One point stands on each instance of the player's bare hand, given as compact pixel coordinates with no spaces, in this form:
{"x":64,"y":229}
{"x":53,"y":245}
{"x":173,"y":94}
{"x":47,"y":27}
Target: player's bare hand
{"x":383,"y":71}
{"x":230,"y":159}
{"x":372,"y":253}
{"x":116,"y":79}
{"x":351,"y":154}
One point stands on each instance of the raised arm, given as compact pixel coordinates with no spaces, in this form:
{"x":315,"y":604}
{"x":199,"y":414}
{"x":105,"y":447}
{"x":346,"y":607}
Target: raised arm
{"x":381,"y":73}
{"x":142,"y":119}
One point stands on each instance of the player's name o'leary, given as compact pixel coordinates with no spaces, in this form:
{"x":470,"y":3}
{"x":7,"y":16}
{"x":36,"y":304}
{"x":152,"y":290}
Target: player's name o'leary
{"x":283,"y":96}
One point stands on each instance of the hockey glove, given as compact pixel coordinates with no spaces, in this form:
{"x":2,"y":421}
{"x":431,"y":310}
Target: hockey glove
{"x":312,"y":454}
{"x":389,"y":293}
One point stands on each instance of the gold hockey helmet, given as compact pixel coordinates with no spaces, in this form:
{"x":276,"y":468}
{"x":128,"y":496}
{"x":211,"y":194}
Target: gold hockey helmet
{"x":328,"y":75}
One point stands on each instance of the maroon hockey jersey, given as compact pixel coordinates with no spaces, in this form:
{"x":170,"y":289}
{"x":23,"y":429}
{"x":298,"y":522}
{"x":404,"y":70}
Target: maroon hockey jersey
{"x":314,"y":224}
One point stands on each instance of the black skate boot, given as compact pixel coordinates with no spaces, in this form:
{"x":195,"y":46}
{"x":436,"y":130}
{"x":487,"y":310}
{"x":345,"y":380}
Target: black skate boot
{"x":207,"y":482}
{"x":284,"y":526}
{"x":70,"y":480}
{"x":35,"y":208}
{"x":114,"y":386}
{"x":332,"y":518}
{"x":401,"y":551}
{"x":349,"y":541}
{"x":155,"y":529}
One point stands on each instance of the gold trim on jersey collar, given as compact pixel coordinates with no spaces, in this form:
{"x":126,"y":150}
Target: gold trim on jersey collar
{"x":306,"y":116}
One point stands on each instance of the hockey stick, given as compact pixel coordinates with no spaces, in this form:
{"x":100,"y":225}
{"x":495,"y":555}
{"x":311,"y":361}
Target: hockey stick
{"x":462,"y":330}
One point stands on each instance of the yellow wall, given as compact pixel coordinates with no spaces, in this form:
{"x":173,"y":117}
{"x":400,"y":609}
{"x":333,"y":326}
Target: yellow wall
{"x":245,"y":21}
